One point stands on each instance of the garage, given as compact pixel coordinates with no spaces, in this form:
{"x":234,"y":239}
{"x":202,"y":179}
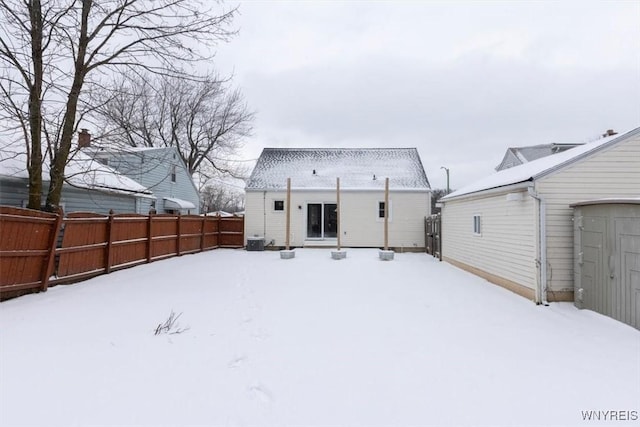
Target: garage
{"x":607,"y":258}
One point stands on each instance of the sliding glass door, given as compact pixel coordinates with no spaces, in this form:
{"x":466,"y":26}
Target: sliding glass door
{"x":322,"y":221}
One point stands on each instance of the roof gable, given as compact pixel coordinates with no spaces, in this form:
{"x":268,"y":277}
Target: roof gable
{"x":541,"y":167}
{"x":515,"y":156}
{"x":357,"y":168}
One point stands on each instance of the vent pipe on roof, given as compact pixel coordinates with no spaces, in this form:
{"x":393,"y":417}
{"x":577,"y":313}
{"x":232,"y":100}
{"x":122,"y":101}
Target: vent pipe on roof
{"x":609,"y":132}
{"x":84,"y":139}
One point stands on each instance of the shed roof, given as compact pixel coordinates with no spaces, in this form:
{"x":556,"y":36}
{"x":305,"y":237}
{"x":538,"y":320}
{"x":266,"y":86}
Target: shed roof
{"x":609,"y":201}
{"x":357,"y":168}
{"x":540,"y":167}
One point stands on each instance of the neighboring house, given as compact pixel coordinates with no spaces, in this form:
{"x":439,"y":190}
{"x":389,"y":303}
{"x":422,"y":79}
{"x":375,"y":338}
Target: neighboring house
{"x":514,"y":227}
{"x":314,"y":219}
{"x":160,"y":170}
{"x":89,"y":186}
{"x":516,"y":156}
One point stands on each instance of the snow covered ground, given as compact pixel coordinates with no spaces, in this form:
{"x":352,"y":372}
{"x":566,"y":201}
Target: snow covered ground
{"x":308,"y":341}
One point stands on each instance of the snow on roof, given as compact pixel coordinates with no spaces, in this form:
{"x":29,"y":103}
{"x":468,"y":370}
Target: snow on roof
{"x":609,"y":201}
{"x":81,"y":171}
{"x":175,"y":203}
{"x":534,"y":152}
{"x":540,"y":167}
{"x":357,"y":168}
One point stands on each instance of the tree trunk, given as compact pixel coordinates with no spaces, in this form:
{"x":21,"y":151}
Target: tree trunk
{"x":34,"y":165}
{"x":68,"y":124}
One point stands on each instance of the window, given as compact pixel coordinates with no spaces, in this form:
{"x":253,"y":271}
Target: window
{"x":173,"y":173}
{"x":278,"y":205}
{"x":380,"y":211}
{"x":476,"y":225}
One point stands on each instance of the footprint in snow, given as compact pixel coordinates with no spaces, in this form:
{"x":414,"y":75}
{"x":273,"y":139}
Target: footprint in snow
{"x":260,"y":392}
{"x":236,"y":362}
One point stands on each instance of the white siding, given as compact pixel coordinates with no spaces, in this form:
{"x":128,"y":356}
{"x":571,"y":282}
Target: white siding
{"x":614,"y":172}
{"x":506,"y":246}
{"x":360,"y":226}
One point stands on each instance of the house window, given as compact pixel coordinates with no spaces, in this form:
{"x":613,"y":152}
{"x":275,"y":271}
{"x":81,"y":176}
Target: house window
{"x":278,"y":205}
{"x":380,"y":211}
{"x":477,"y":230}
{"x":173,"y":173}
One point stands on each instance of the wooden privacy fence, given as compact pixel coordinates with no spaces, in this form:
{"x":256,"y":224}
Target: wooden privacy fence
{"x":433,"y":235}
{"x":39,"y":249}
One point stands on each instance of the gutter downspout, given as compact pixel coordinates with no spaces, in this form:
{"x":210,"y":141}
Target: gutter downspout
{"x":541,"y":288}
{"x":264,"y":214}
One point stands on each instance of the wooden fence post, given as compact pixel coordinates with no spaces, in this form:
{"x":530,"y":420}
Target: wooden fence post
{"x":48,"y":263}
{"x":109,"y":254}
{"x":179,"y":233}
{"x":149,"y":237}
{"x":218,"y":244}
{"x":204,"y":224}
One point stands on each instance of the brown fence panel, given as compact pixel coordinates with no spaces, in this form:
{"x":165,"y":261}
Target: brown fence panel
{"x":232,"y":232}
{"x":164,"y":236}
{"x":26,"y":245}
{"x":83,"y":251}
{"x":128,"y":240}
{"x":94,"y":244}
{"x":190,"y":234}
{"x":211,"y":227}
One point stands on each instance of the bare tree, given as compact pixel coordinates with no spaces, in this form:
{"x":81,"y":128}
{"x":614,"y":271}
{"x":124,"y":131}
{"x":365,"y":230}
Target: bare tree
{"x":204,"y":118}
{"x":51,"y":50}
{"x":217,"y":198}
{"x":436,"y":195}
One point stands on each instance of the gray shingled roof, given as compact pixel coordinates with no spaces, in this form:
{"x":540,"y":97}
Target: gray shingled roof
{"x":357,"y":168}
{"x":534,"y":152}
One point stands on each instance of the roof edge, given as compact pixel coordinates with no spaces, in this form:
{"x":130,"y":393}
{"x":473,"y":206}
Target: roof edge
{"x":489,"y":191}
{"x":581,"y":156}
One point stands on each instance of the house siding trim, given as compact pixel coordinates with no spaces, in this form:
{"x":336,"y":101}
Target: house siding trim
{"x":495,"y":279}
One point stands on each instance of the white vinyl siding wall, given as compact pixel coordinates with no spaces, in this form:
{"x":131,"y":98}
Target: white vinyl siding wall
{"x":506,"y":246}
{"x":360,"y":225}
{"x":613,"y":172}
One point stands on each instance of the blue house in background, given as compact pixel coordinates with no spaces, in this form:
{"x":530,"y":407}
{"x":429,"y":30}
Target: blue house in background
{"x":89,"y":185}
{"x":159,"y":170}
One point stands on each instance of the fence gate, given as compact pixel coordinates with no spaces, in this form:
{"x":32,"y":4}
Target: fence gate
{"x":433,"y":235}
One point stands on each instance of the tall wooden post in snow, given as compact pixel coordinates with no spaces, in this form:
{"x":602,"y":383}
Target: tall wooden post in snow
{"x":288,"y":208}
{"x":288,"y":253}
{"x":338,"y":253}
{"x":386,"y":214}
{"x":338,"y":208}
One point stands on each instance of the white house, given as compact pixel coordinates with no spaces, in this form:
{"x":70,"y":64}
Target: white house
{"x":514,"y":227}
{"x":314,"y":218}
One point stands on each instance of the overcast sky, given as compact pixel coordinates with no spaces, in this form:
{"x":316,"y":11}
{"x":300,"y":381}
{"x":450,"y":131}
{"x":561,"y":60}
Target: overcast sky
{"x":461,"y":81}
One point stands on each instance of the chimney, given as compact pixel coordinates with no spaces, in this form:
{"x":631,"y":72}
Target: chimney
{"x":84,"y":139}
{"x":609,"y":132}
